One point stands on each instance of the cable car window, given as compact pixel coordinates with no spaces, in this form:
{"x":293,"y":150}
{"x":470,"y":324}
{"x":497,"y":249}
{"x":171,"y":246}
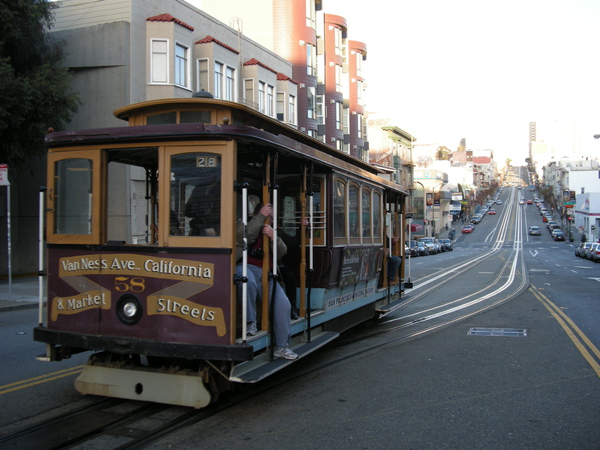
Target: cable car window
{"x":162,"y":118}
{"x":195,"y":197}
{"x":366,"y":213}
{"x":376,"y":214}
{"x":339,"y":210}
{"x":353,"y":211}
{"x":194,"y":117}
{"x":73,"y":196}
{"x":318,"y":212}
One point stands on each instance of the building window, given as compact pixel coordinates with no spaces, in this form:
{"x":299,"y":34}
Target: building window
{"x":218,"y":87}
{"x":230,"y":84}
{"x":339,"y":111}
{"x":346,"y":120}
{"x":281,"y":106}
{"x":338,"y":78}
{"x":203,"y":75}
{"x":291,"y":109}
{"x":270,"y":100}
{"x":359,"y":64}
{"x":181,"y":65}
{"x":321,"y":110}
{"x":159,"y":61}
{"x":359,"y":127}
{"x":249,"y":90}
{"x":310,"y":14}
{"x":261,"y":96}
{"x":337,"y":34}
{"x":311,"y":106}
{"x":311,"y":60}
{"x":359,"y":92}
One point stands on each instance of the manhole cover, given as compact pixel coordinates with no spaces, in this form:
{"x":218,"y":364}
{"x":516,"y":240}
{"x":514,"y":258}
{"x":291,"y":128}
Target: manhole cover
{"x":511,"y":332}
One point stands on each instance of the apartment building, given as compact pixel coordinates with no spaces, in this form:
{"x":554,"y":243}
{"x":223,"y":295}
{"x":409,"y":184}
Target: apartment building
{"x":390,"y":149}
{"x":127,"y":51}
{"x":327,"y":65}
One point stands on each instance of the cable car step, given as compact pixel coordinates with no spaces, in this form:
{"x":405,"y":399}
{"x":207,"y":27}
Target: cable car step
{"x":390,"y":307}
{"x":260,"y":367}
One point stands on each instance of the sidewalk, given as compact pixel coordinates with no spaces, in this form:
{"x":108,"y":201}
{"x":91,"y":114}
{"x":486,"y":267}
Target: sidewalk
{"x":23,"y":292}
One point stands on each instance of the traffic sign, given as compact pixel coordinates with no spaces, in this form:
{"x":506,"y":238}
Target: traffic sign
{"x":4,"y":175}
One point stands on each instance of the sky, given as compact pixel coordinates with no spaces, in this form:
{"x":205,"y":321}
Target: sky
{"x":480,"y":69}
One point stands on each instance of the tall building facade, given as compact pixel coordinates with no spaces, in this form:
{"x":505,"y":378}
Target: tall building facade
{"x":126,"y":51}
{"x":326,"y":64}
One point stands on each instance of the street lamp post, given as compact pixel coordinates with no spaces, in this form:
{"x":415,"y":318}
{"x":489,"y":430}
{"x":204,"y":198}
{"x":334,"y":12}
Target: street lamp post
{"x":424,"y":205}
{"x":433,"y":208}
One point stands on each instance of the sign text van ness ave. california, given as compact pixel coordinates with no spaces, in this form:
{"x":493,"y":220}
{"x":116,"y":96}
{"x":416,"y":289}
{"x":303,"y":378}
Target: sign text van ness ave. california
{"x":159,"y":266}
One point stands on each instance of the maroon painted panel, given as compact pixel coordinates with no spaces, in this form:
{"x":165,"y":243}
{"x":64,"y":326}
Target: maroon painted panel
{"x":184,"y":297}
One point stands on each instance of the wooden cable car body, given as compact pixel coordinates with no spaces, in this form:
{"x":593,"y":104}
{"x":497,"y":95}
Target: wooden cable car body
{"x":147,"y":282}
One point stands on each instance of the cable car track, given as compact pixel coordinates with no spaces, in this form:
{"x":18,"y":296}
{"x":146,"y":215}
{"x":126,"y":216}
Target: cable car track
{"x":441,"y":295}
{"x":427,"y":309}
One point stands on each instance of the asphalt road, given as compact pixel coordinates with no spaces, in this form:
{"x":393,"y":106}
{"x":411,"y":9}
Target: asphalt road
{"x":445,"y":389}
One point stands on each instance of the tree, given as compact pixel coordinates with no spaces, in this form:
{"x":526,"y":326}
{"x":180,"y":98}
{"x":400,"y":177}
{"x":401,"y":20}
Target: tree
{"x":34,"y":88}
{"x":442,"y":153}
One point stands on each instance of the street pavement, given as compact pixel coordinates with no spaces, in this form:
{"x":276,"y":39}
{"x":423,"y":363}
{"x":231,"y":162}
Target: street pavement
{"x":447,"y":389}
{"x":20,"y":292}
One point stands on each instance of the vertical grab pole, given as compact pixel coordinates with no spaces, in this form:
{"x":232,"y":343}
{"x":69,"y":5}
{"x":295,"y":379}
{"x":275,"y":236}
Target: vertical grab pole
{"x":401,"y":240}
{"x":273,"y":302}
{"x":390,"y":230}
{"x":310,"y":256}
{"x":409,"y":284}
{"x":245,"y":261}
{"x":41,"y":256}
{"x":275,"y":192}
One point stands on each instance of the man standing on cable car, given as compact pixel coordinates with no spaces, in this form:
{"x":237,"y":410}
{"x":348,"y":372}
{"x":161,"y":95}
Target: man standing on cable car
{"x":282,"y":325}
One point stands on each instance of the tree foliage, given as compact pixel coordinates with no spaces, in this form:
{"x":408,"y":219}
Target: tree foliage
{"x":442,"y":153}
{"x":34,"y":88}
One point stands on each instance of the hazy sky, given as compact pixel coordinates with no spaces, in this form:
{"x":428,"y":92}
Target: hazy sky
{"x":478,"y":69}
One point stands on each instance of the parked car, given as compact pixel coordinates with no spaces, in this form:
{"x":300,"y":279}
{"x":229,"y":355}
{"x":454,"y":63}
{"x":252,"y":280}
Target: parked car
{"x":534,"y":230}
{"x":498,"y":202}
{"x":558,"y":235}
{"x":580,"y":250}
{"x":468,"y":229}
{"x":591,"y":251}
{"x":447,"y":244}
{"x":595,"y":252}
{"x":422,"y":249}
{"x":431,"y":244}
{"x":492,"y":212}
{"x":552,"y":225}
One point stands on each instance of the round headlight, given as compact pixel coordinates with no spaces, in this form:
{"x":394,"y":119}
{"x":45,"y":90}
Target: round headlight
{"x":129,"y":309}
